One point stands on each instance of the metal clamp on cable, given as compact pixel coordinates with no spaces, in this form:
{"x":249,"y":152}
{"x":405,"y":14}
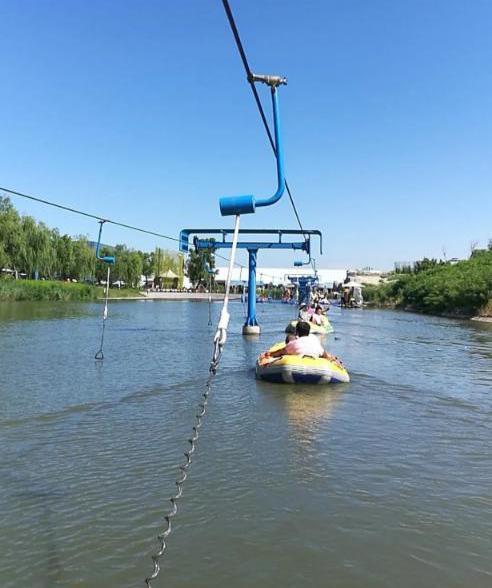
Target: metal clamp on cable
{"x":272,"y":81}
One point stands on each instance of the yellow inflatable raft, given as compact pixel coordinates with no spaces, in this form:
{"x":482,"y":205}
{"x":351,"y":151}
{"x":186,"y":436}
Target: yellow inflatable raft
{"x":323,"y":329}
{"x":296,"y":369}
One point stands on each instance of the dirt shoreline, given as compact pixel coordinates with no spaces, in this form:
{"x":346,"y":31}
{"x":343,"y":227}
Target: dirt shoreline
{"x":482,"y":319}
{"x":194,"y":296}
{"x":458,"y":316}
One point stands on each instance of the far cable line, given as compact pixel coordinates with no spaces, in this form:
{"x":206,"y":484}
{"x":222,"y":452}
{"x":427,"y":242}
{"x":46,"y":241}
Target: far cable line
{"x":102,"y":218}
{"x":87,"y":214}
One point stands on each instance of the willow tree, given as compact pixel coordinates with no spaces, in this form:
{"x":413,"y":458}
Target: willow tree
{"x":199,"y":261}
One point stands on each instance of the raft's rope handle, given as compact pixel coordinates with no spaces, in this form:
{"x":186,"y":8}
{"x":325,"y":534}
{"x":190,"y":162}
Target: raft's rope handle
{"x":219,"y":341}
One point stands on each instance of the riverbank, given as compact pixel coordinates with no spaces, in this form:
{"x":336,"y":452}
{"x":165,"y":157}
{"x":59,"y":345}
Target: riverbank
{"x":461,"y":290}
{"x":482,"y":319}
{"x":193,"y":296}
{"x":48,"y":290}
{"x":484,"y":314}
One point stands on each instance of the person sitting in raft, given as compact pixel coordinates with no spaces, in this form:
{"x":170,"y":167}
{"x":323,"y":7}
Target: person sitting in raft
{"x":318,"y":317}
{"x":304,"y":344}
{"x":304,"y":314}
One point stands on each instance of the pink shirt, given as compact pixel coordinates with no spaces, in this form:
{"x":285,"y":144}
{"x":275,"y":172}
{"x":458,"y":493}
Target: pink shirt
{"x":308,"y":345}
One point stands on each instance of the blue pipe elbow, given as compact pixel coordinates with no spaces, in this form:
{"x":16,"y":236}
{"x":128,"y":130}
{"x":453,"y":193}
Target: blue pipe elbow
{"x":105,"y":258}
{"x":233,"y":205}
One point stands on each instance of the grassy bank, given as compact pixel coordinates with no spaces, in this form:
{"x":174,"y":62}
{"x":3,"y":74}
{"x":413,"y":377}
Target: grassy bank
{"x":34,"y":290}
{"x":462,"y":289}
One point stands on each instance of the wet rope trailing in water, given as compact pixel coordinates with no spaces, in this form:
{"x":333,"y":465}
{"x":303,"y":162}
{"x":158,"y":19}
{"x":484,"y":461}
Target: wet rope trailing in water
{"x":249,"y":75}
{"x":100,"y":354}
{"x":219,"y":342}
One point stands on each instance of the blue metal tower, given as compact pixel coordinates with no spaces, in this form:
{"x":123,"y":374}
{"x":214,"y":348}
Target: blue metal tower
{"x":251,"y":326}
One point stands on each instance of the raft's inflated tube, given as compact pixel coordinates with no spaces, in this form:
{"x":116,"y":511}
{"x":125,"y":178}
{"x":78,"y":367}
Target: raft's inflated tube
{"x":296,"y":369}
{"x":323,"y":329}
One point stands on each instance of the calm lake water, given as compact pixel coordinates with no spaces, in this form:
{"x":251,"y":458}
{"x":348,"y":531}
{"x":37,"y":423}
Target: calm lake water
{"x":383,"y":482}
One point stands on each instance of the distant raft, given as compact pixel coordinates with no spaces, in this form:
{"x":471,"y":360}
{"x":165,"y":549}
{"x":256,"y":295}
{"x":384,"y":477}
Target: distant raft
{"x":323,"y":329}
{"x":297,"y":369}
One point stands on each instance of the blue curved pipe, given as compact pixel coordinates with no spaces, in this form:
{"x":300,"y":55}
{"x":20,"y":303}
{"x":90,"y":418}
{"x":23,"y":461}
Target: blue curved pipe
{"x":279,"y":156}
{"x":233,"y":205}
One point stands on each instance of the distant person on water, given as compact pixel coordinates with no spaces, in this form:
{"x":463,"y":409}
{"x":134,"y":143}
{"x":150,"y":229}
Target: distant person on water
{"x":346,"y":297}
{"x":303,"y":344}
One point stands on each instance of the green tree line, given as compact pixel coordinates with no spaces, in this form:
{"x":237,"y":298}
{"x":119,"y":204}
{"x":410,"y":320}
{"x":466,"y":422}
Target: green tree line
{"x":463,"y":288}
{"x":31,"y":249}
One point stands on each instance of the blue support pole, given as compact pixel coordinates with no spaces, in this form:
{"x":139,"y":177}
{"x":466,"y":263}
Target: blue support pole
{"x":251,"y":326}
{"x":304,"y":283}
{"x":304,"y":291}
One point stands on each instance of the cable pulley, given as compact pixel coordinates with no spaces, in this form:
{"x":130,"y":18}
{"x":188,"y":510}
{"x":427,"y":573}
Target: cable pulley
{"x":272,"y":81}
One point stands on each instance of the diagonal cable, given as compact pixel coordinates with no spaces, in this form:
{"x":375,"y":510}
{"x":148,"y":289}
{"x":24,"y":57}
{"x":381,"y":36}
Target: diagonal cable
{"x":101,"y":218}
{"x":248,"y":71}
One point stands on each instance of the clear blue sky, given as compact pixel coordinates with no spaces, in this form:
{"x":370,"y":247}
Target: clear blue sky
{"x":140,"y":111}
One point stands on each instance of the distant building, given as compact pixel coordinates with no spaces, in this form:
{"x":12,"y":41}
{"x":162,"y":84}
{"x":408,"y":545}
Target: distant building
{"x":368,"y":275}
{"x":279,"y":276}
{"x":404,"y":266}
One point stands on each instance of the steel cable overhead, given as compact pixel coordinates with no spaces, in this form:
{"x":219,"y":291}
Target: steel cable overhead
{"x":87,"y":214}
{"x":96,"y":217}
